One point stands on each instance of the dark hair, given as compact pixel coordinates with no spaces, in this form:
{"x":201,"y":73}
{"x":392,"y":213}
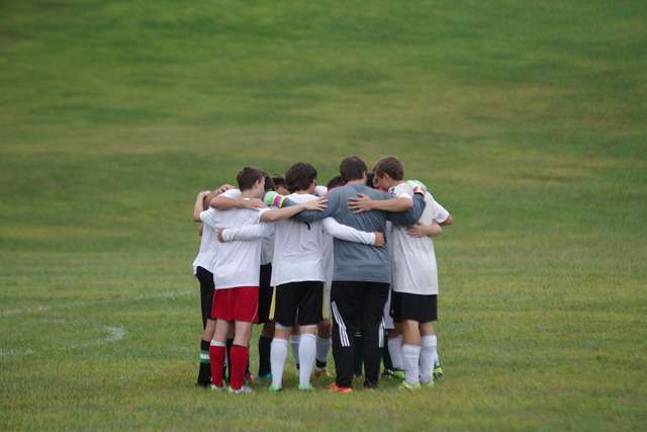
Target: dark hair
{"x":247,"y":177}
{"x":335,"y":182}
{"x":390,"y":165}
{"x":279,"y":181}
{"x":352,"y":168}
{"x":370,"y":176}
{"x":300,"y":176}
{"x":269,"y":183}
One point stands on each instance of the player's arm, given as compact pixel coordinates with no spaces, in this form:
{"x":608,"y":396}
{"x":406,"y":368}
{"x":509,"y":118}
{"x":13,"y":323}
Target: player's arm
{"x":275,"y":215}
{"x":410,"y":216}
{"x":197,"y":207}
{"x":231,"y":199}
{"x":363,"y":203}
{"x":310,"y":216}
{"x":447,"y":221}
{"x":420,"y":230}
{"x":350,"y":234}
{"x":246,"y":233}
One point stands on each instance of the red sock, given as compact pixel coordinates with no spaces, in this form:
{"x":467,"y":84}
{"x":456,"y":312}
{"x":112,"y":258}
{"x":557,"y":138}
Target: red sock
{"x":239,"y":359}
{"x":217,"y":359}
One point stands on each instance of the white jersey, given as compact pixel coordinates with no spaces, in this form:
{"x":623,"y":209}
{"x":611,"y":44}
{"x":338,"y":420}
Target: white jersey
{"x":237,"y":263}
{"x":208,"y":249}
{"x":298,"y":249}
{"x":414,"y":269}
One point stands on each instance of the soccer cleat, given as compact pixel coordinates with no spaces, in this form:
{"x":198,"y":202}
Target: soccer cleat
{"x":398,"y":374}
{"x":429,"y":383}
{"x":242,"y":390}
{"x":334,"y":388}
{"x":405,"y":386}
{"x":306,"y":388}
{"x":321,"y":372}
{"x":274,"y":389}
{"x":203,"y":384}
{"x":216,"y":388}
{"x":438,"y":372}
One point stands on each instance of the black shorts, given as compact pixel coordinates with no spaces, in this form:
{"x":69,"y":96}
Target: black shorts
{"x":205,"y":277}
{"x":265,"y":292}
{"x":415,"y":307}
{"x":299,"y":303}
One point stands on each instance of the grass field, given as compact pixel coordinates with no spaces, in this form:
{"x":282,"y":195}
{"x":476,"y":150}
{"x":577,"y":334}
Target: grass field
{"x":527,"y":119}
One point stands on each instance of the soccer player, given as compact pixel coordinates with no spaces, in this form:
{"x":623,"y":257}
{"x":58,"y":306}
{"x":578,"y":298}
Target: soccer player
{"x":362,"y":274}
{"x":236,"y":272}
{"x":203,"y":272}
{"x":298,"y":275}
{"x":415,"y":276}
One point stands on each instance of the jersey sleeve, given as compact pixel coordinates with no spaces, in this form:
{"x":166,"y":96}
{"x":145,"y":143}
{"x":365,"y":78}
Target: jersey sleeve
{"x":403,"y":190}
{"x":347,"y":233}
{"x":210,"y":218}
{"x":232,"y":194}
{"x":321,"y":191}
{"x":248,"y":232}
{"x":439,"y":213}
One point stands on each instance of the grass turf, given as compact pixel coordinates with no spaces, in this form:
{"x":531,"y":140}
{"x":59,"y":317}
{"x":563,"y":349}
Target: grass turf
{"x":526,"y":118}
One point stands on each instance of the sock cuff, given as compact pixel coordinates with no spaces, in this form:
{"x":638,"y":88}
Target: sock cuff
{"x":410,"y":348}
{"x":429,"y":340}
{"x":236,"y":346}
{"x":322,"y":339}
{"x":277,"y":341}
{"x":308,"y":335}
{"x":217,"y":344}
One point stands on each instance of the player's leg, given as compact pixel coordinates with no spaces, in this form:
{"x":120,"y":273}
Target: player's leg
{"x":217,"y":353}
{"x":308,"y":316}
{"x":284,"y":316}
{"x":375,"y":296}
{"x":411,"y":348}
{"x":323,"y":334}
{"x":345,"y":305}
{"x":430,"y":368}
{"x":265,"y":294}
{"x":244,"y":312}
{"x":394,"y":345}
{"x":295,"y":339}
{"x":323,"y":346}
{"x":220,"y":312}
{"x":205,"y":278}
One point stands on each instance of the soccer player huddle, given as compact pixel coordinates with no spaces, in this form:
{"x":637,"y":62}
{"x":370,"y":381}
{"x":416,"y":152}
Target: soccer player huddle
{"x":352,"y":262}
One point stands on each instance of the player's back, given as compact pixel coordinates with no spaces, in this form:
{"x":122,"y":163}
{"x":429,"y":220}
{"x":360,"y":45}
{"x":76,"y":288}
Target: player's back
{"x":354,"y":261}
{"x":298,"y":248}
{"x":237,"y":263}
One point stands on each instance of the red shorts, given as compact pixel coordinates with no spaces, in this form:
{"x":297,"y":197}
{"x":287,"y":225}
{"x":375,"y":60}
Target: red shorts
{"x":235,"y":304}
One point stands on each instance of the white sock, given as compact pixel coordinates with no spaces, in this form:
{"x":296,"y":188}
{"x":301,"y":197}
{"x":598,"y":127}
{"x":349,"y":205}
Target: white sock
{"x":411,"y":358}
{"x":428,"y":356}
{"x":307,"y":355}
{"x":395,"y":351}
{"x":323,"y":348}
{"x":294,"y":343}
{"x":278,"y":354}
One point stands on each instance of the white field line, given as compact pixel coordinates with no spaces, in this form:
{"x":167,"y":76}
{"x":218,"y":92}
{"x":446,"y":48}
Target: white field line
{"x":113,"y":334}
{"x":72,"y":304}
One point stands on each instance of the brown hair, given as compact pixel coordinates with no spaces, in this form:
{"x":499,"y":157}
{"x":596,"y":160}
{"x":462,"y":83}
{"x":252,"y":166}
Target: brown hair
{"x":390,"y":165}
{"x":352,"y":168}
{"x":247,"y":177}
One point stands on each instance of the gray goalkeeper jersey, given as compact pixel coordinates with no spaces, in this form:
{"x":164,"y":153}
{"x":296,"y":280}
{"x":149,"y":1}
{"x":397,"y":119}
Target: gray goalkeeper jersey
{"x":355,"y":261}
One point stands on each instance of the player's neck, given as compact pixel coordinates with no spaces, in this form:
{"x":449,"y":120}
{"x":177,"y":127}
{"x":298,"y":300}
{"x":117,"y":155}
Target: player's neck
{"x":357,"y":182}
{"x":249,"y":194}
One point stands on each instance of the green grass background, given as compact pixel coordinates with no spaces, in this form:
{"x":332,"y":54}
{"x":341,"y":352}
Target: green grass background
{"x":527,"y":120}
